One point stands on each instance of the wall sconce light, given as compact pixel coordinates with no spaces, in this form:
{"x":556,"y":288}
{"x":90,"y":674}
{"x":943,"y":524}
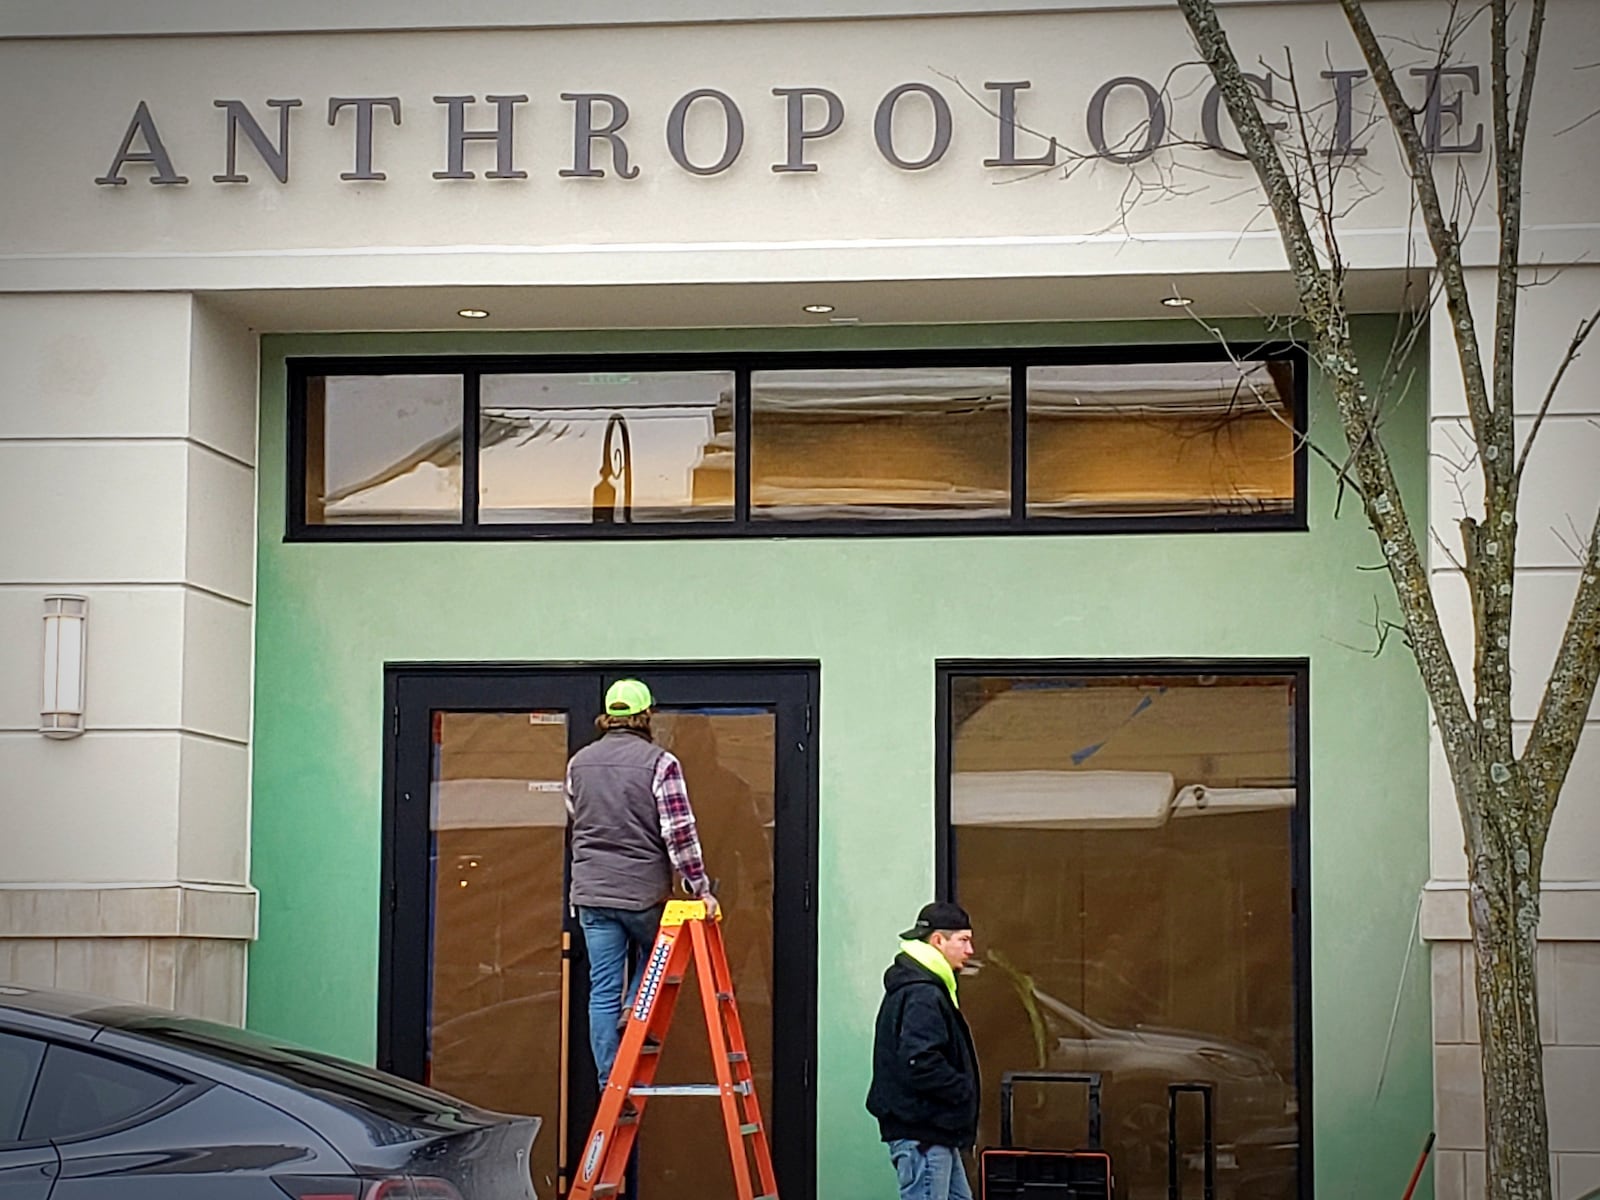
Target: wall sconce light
{"x":66,"y":620}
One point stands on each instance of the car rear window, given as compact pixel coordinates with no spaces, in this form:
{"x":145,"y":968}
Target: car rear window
{"x":383,"y":1094}
{"x":79,"y":1092}
{"x":19,"y":1067}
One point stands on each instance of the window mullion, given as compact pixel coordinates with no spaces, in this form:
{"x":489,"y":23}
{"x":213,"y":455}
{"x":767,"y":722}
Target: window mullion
{"x":741,"y":447}
{"x":1019,"y":443}
{"x":471,"y":428}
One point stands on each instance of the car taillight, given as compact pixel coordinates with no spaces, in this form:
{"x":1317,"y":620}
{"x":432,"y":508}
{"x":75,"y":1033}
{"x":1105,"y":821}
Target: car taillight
{"x":304,"y":1187}
{"x":348,"y":1187}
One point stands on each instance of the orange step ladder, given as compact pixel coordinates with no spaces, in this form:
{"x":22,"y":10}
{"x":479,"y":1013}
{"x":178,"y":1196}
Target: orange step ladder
{"x":686,"y":933}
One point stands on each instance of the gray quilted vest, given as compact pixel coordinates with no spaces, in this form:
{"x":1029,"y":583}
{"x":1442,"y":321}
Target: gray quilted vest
{"x":618,"y":857}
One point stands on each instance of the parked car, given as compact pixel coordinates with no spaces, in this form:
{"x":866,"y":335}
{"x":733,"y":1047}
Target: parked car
{"x":101,"y":1100}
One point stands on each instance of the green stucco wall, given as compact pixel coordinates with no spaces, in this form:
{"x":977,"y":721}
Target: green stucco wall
{"x":877,"y":614}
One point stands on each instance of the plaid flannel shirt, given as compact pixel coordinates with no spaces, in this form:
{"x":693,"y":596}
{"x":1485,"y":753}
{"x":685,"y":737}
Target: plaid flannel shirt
{"x":677,"y":823}
{"x":676,"y":820}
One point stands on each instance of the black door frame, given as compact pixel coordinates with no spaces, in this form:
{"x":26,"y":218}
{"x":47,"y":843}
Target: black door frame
{"x":946,"y":671}
{"x":414,"y":691}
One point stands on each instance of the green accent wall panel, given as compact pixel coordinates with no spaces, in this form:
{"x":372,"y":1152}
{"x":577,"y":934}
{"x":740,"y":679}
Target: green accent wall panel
{"x":877,"y":614}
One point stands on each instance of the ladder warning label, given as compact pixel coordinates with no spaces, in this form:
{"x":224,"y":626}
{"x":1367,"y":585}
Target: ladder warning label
{"x":652,"y":981}
{"x":591,"y":1160}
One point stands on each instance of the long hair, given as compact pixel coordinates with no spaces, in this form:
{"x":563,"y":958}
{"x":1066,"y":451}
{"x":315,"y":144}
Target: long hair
{"x":634,"y":723}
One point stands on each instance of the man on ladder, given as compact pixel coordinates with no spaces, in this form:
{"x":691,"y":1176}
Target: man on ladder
{"x":631,"y":826}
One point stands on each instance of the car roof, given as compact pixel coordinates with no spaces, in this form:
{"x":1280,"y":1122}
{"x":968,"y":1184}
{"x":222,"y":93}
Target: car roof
{"x":222,"y":1051}
{"x":62,"y":1013}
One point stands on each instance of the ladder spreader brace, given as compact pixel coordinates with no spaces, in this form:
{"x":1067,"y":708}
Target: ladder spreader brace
{"x":686,"y":933}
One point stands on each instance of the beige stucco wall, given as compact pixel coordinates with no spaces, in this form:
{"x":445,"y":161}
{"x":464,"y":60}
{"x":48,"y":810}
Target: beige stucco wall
{"x":68,"y":103}
{"x":127,"y":449}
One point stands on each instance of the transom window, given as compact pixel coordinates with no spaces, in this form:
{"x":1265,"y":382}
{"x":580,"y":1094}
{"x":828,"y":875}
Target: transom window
{"x":1161,"y":438}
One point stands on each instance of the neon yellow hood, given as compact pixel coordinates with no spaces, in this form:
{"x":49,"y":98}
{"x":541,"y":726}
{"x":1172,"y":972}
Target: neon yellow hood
{"x":928,"y":957}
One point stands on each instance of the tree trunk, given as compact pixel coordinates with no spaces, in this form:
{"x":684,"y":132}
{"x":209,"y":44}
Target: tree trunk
{"x":1504,"y":910}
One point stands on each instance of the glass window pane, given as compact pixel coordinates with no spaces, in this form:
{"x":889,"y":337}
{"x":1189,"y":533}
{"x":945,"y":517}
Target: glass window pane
{"x":1124,"y":846}
{"x":729,"y":758}
{"x":604,"y":447}
{"x":78,"y":1093}
{"x":1154,"y":439}
{"x":498,"y":1003}
{"x":19,"y":1066}
{"x":920,"y":442}
{"x":383,"y":449}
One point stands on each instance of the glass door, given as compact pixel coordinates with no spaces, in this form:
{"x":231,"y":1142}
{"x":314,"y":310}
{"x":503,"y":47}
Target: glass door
{"x":484,"y":975}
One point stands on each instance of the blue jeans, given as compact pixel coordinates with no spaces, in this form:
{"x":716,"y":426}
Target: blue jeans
{"x":607,"y":934}
{"x":927,"y":1172}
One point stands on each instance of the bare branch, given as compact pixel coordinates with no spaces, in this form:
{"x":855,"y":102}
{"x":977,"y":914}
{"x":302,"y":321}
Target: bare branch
{"x":1569,"y":692}
{"x":1510,"y":138}
{"x":1301,"y":438}
{"x":1578,"y":124}
{"x":1442,"y":235}
{"x":1574,"y":349}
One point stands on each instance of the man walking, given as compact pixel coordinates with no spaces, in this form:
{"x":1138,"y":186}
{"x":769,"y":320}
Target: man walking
{"x":924,"y":1068}
{"x":631,"y":826}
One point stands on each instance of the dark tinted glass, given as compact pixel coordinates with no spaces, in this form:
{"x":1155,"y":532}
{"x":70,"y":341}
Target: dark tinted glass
{"x":1125,"y":847}
{"x":19,"y":1066}
{"x":79,"y":1093}
{"x":1155,"y":439}
{"x":880,"y":444}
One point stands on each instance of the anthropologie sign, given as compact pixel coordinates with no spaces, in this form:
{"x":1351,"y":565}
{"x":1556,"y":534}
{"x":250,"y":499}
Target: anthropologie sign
{"x":1126,"y":121}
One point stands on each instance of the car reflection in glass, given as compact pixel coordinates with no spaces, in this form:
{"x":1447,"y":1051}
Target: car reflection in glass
{"x":1021,"y":1027}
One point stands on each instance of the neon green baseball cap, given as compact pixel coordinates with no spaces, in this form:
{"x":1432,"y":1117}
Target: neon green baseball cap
{"x":626,"y":697}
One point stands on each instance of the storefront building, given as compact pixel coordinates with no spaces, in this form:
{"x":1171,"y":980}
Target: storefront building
{"x":390,"y":389}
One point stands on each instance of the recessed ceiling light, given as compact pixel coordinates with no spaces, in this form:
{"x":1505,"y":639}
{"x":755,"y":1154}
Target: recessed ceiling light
{"x":1176,"y":301}
{"x":473,"y":314}
{"x":819,"y":309}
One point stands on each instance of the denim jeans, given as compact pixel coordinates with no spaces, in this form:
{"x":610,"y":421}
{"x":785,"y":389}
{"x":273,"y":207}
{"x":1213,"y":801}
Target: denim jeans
{"x":608,"y":933}
{"x":927,"y":1172}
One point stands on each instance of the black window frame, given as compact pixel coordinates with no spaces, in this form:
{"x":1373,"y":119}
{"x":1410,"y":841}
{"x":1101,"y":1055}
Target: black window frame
{"x":742,"y":364}
{"x":413,"y":691}
{"x":946,"y":671}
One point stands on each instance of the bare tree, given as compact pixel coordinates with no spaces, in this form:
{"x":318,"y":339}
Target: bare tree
{"x":1506,"y":799}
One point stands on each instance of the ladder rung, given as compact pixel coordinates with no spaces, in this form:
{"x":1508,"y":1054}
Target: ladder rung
{"x":738,"y":1057}
{"x":650,"y":1046}
{"x":607,"y":1189}
{"x":725,"y":997}
{"x":742,"y":1088}
{"x":681,"y":1089}
{"x":747,"y":1130}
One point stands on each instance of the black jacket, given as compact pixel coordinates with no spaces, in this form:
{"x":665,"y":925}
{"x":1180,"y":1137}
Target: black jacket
{"x":924,"y":1069}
